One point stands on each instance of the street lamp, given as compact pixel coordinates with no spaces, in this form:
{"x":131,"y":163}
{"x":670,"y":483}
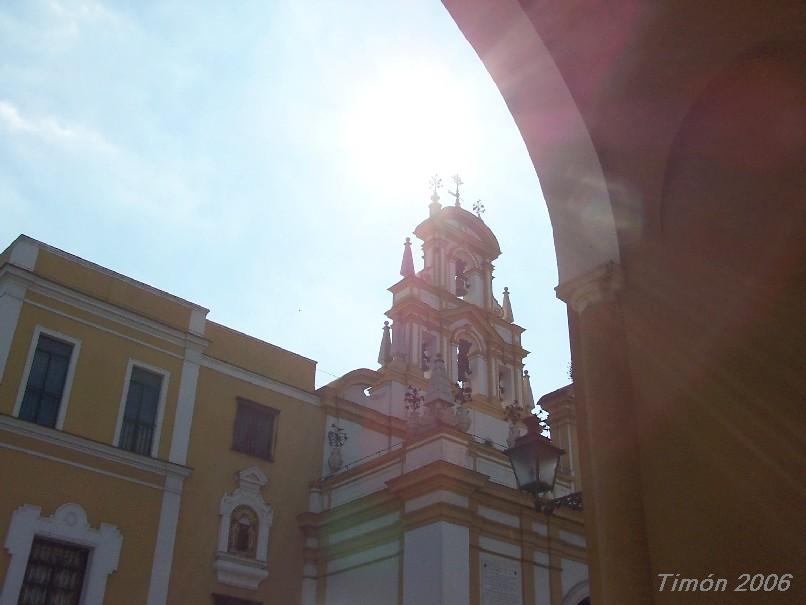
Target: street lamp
{"x":534,"y":460}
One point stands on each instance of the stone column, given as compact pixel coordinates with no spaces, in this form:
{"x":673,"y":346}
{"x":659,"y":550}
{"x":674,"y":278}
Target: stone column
{"x":614,"y":516}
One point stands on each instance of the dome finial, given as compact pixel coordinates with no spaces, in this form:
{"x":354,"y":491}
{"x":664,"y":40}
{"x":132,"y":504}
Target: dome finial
{"x":436,"y":183}
{"x":457,"y":180}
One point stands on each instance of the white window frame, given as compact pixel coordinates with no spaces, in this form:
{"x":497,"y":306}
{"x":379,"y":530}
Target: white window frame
{"x":166,"y":377}
{"x":68,"y":524}
{"x":68,"y":380}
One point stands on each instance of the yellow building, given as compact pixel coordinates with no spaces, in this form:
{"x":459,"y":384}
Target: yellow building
{"x":134,"y":433}
{"x":151,"y":456}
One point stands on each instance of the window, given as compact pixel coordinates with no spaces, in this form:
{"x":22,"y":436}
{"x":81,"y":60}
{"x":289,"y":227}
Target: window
{"x":59,"y":569}
{"x":54,"y":575}
{"x":254,"y":430}
{"x":47,"y":378}
{"x":220,"y":599}
{"x":140,"y":414}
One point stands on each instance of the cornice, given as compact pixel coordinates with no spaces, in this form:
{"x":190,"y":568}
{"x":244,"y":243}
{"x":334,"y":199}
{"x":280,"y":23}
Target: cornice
{"x":83,"y":445}
{"x":110,"y":273}
{"x":108,"y":311}
{"x":437,"y":475}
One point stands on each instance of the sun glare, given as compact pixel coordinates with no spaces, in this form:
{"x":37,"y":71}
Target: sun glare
{"x":408,"y":124}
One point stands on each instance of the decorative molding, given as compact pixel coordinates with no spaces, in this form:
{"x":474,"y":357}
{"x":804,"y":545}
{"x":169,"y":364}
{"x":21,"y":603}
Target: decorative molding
{"x":68,"y":380}
{"x":109,"y":273}
{"x":92,"y":448}
{"x":107,"y":311}
{"x":101,"y":328}
{"x":85,"y":467}
{"x":259,"y":380}
{"x":231,"y":568}
{"x":166,"y":376}
{"x":595,"y":286}
{"x":68,"y":524}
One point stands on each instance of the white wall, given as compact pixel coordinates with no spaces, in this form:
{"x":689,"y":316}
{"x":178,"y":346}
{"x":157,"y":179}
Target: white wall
{"x":436,"y":567}
{"x":370,"y":584}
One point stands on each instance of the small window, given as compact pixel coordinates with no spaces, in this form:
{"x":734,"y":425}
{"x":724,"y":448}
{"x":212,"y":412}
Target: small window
{"x":254,"y":429}
{"x":46,"y":381}
{"x":220,"y":599}
{"x":140,"y":413}
{"x":55,"y":573}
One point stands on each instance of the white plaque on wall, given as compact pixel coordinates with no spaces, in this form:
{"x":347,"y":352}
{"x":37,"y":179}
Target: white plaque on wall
{"x":501,"y":580}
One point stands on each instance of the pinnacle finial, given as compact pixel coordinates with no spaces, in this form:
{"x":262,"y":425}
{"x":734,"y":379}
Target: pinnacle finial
{"x":506,"y":307}
{"x":528,"y":396}
{"x":385,"y":352}
{"x":407,"y":265}
{"x":457,"y":181}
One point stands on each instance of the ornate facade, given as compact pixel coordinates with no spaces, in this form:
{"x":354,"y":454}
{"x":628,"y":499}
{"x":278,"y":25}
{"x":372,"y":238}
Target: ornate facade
{"x":424,"y":509}
{"x":204,"y":467}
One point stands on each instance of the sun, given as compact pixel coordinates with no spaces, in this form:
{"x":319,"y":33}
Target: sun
{"x":409,"y":123}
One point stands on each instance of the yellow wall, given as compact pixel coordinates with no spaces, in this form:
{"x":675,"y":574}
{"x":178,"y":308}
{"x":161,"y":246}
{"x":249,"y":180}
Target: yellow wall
{"x":132,"y":508}
{"x":297,"y":459}
{"x":259,"y":356}
{"x":116,"y":290}
{"x":98,"y":384}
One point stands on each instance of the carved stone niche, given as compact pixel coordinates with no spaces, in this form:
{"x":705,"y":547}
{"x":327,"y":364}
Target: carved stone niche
{"x":243,"y":532}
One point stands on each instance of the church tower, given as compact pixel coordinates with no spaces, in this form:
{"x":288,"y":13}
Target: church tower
{"x":448,"y":309}
{"x":418,"y":502}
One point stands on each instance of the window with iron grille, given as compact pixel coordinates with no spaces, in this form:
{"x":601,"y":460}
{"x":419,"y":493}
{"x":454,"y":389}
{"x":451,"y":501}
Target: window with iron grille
{"x":46,"y":380}
{"x":254,"y":430}
{"x":54,"y":575}
{"x":220,"y":599}
{"x":140,"y":414}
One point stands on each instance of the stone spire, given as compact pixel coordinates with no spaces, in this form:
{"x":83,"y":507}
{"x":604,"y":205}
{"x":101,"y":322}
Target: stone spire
{"x":385,"y":353}
{"x":439,"y":387}
{"x":507,"y":307}
{"x":407,"y":266}
{"x":528,"y":396}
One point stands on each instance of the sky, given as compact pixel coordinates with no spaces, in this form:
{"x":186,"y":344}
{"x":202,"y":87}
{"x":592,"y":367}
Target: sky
{"x":267,"y":160}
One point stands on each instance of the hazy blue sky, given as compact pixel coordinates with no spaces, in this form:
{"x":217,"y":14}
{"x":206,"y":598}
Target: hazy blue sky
{"x":266,"y":159}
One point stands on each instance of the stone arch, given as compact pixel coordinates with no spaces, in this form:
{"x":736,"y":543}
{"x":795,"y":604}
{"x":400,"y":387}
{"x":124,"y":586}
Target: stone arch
{"x":553,"y":128}
{"x":577,"y":593}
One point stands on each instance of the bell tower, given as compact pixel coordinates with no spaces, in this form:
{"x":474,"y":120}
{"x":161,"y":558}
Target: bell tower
{"x":448,"y":309}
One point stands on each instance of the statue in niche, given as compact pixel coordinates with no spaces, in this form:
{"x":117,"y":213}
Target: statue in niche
{"x":461,"y":280}
{"x":501,"y":388}
{"x":463,"y":361}
{"x":425,"y":358}
{"x":243,"y":532}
